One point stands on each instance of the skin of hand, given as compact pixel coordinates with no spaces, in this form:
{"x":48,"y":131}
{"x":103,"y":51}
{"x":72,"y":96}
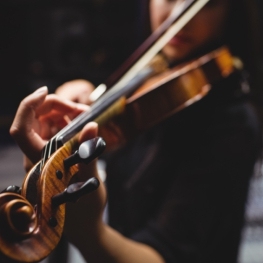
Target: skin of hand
{"x":31,"y":128}
{"x":38,"y":118}
{"x":77,"y":90}
{"x":84,"y":226}
{"x":33,"y":124}
{"x":40,"y":115}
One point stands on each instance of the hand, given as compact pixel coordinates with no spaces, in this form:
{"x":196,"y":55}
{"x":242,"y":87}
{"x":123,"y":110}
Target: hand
{"x":77,"y":90}
{"x":38,"y":118}
{"x":85,"y":215}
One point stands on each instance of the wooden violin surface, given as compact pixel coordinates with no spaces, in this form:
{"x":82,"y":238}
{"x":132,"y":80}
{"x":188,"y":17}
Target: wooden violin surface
{"x":31,"y":225}
{"x":164,"y":95}
{"x":30,"y":231}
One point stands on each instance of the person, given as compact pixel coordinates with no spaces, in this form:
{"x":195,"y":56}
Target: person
{"x":177,"y":192}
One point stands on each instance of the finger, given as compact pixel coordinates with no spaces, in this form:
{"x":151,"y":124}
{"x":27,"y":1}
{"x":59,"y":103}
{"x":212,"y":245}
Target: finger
{"x":76,"y":90}
{"x":87,"y":171}
{"x":53,"y":122}
{"x":63,"y":115}
{"x":54,"y":119}
{"x":50,"y":126}
{"x":53,"y":102}
{"x":89,"y":131}
{"x":67,"y":119}
{"x":85,"y":99}
{"x":21,"y":129}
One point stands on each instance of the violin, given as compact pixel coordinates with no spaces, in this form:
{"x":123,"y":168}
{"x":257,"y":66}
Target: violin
{"x":32,"y":218}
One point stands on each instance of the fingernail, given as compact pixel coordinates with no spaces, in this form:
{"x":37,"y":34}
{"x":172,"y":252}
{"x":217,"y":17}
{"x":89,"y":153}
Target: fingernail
{"x":41,"y":90}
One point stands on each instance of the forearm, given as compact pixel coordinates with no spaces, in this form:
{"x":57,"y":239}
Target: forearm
{"x":104,"y":244}
{"x":98,"y":242}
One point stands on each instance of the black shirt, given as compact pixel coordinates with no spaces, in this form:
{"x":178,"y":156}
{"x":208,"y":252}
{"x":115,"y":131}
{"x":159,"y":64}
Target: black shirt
{"x":181,"y":187}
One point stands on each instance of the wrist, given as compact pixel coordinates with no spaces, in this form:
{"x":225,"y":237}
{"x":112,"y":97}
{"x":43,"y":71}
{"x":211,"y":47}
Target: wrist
{"x":90,"y":242}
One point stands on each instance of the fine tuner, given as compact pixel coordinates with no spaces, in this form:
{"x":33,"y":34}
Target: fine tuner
{"x":87,"y":152}
{"x":133,"y":104}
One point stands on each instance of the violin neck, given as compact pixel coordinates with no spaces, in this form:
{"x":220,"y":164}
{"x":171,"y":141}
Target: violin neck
{"x":137,"y":73}
{"x":96,"y":109}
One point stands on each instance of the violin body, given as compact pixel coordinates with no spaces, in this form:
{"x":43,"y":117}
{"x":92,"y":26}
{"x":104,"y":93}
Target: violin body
{"x":31,"y":223}
{"x":31,"y":226}
{"x":163,"y":96}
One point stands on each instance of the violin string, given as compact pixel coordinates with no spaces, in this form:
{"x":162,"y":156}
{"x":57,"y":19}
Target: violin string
{"x":137,"y":67}
{"x":149,"y":55}
{"x":162,"y":41}
{"x":98,"y":107}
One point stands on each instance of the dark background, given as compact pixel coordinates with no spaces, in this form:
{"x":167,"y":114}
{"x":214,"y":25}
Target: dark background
{"x":49,"y":42}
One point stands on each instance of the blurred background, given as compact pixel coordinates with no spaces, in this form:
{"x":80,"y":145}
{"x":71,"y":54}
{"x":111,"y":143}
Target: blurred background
{"x":46,"y":42}
{"x":49,"y":42}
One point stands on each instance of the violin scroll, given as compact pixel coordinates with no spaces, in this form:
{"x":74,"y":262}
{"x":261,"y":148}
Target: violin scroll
{"x":32,"y":227}
{"x":17,"y":216}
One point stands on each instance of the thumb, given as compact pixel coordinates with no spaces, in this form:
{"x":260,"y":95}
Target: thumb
{"x":90,"y":131}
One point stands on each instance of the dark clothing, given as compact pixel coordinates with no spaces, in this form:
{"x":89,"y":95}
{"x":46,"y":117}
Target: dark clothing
{"x":181,"y":187}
